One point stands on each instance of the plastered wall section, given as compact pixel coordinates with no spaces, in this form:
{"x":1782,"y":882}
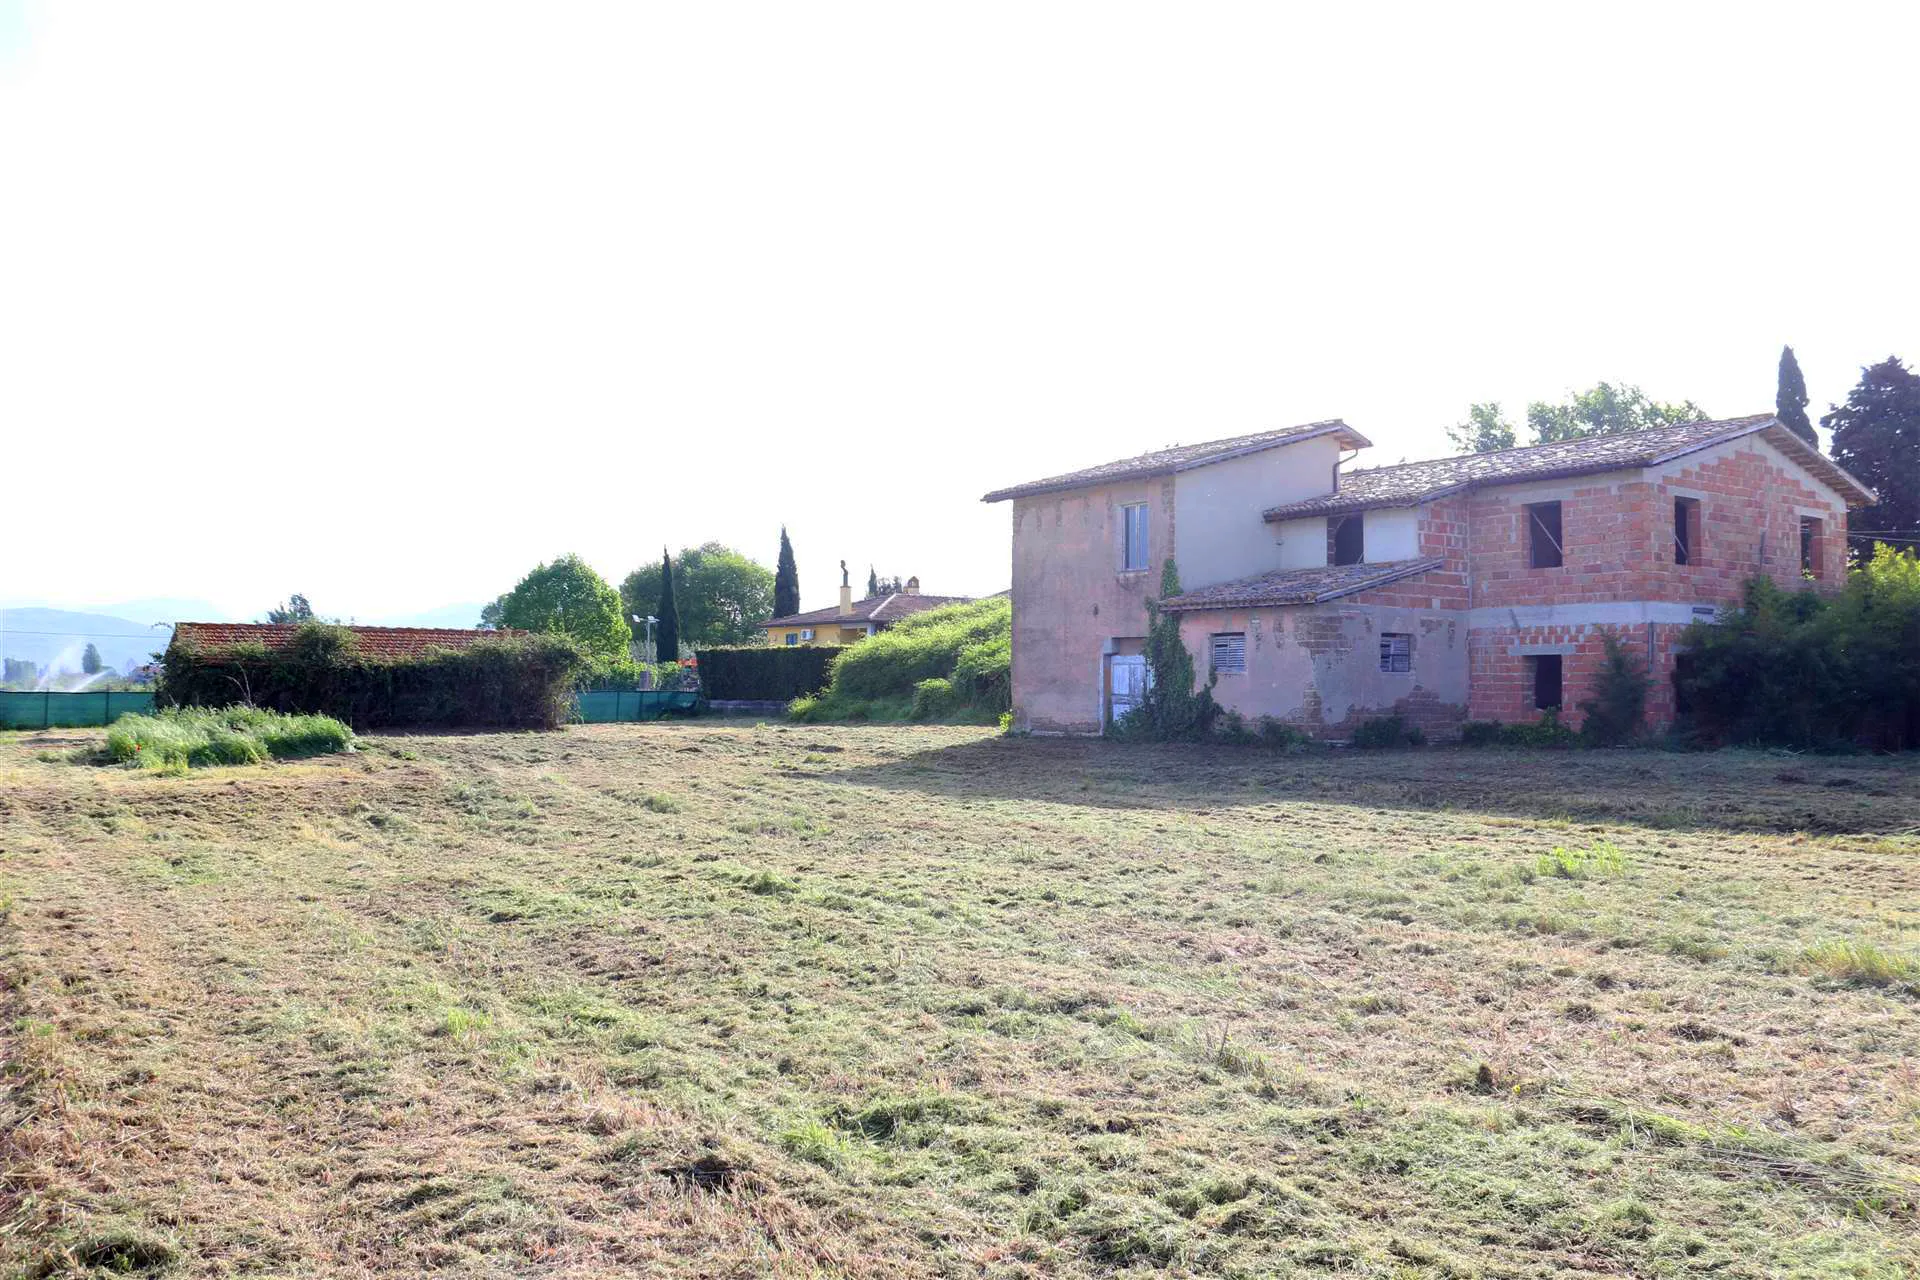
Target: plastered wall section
{"x":1071,"y":599}
{"x":1318,"y":666}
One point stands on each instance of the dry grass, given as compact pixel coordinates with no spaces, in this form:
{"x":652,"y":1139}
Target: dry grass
{"x":750,"y":1000}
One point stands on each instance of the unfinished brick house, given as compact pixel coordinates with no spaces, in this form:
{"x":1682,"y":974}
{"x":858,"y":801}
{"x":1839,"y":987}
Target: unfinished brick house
{"x":1474,"y":587}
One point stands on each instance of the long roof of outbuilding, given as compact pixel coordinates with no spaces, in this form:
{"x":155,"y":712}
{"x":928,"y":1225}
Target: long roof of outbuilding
{"x":1166,"y":462}
{"x":1299,"y":586}
{"x":1411,"y":483}
{"x":373,"y":642}
{"x":890,"y":607}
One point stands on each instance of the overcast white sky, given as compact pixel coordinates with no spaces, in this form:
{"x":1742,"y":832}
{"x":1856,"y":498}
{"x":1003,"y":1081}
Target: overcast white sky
{"x":387,"y":302}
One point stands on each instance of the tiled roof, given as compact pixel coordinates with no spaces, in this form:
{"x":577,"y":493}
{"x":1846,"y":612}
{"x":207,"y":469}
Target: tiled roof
{"x":1411,"y":483}
{"x":375,"y":642}
{"x":1167,"y":461}
{"x":891,"y":607}
{"x":1299,"y":586}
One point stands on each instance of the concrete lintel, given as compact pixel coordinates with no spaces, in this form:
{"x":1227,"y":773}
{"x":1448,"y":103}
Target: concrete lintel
{"x":1535,"y":650}
{"x":1607,"y":613}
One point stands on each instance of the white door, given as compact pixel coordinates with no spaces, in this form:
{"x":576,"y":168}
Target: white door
{"x":1127,"y":681}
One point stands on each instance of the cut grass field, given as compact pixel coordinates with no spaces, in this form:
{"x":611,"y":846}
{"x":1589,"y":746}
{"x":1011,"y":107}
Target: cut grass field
{"x":785,"y":1000}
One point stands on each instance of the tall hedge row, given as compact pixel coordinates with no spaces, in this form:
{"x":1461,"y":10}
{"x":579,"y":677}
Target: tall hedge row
{"x":778,"y":673}
{"x":522,"y":682}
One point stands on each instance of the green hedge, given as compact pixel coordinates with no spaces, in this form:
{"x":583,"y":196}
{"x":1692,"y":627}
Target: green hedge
{"x":950,"y":663}
{"x":510,"y":682}
{"x":767,"y":673}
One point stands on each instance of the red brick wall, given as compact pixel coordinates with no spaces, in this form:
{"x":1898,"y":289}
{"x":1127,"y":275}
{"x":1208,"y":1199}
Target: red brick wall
{"x":1500,"y":683}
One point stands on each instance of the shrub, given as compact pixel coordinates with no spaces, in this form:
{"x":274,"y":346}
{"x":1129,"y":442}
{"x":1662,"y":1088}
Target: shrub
{"x":509,"y":681}
{"x":1282,"y":736}
{"x":1616,"y":711}
{"x":1547,"y":731}
{"x":623,"y":673}
{"x":1387,"y":731}
{"x":196,"y":737}
{"x":931,"y":698}
{"x":770,"y":673}
{"x":968,"y":646}
{"x":1805,"y":670}
{"x":1172,"y":709}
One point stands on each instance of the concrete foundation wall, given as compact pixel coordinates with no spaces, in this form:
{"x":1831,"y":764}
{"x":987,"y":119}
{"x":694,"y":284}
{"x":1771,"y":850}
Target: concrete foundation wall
{"x":1318,"y":666}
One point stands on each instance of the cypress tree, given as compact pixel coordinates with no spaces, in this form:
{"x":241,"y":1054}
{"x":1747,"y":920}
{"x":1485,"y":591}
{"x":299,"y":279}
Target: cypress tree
{"x":873,"y":583}
{"x":786,"y":581}
{"x":666,"y":632}
{"x":1790,"y":402}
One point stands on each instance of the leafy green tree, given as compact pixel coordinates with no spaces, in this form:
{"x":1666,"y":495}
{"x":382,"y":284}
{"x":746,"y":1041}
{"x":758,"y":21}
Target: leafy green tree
{"x":1485,"y":430}
{"x":666,"y":636}
{"x":293,"y":610}
{"x":90,"y":663}
{"x":1876,"y":436}
{"x":786,"y":580}
{"x":568,"y":598}
{"x":723,"y":598}
{"x":491,"y":615}
{"x":1605,"y":410}
{"x":19,"y":673}
{"x":1790,"y":401}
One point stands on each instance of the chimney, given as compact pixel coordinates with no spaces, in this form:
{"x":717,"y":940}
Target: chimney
{"x":846,"y":592}
{"x":913,"y":586}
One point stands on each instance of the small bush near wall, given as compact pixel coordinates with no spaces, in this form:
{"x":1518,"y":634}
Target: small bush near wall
{"x":767,"y":673}
{"x":1388,"y":731}
{"x":1547,"y":731}
{"x":512,"y":682}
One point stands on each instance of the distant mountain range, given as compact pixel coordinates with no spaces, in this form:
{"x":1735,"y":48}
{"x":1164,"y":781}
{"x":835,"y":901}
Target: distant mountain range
{"x":56,"y":638}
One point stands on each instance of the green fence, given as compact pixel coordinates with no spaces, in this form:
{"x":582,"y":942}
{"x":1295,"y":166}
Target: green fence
{"x":50,"y":710}
{"x":637,"y":704}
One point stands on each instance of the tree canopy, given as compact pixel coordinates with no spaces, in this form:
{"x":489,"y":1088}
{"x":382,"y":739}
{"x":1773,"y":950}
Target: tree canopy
{"x":1790,"y":400}
{"x":1602,"y":410}
{"x":568,"y":598}
{"x":723,"y":597}
{"x":294,"y":609}
{"x":90,"y":660}
{"x":1485,"y":430}
{"x":1876,"y":436}
{"x":786,"y":580}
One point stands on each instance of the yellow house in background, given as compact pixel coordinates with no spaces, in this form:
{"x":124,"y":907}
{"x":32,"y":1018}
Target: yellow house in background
{"x":852,"y":619}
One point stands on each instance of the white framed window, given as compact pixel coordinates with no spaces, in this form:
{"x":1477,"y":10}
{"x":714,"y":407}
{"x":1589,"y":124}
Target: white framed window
{"x":1230,"y":653}
{"x":806,"y":633}
{"x":1396,"y":651}
{"x":1133,"y":537}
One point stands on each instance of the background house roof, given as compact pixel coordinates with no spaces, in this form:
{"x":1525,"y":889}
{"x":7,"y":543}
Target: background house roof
{"x":1411,"y":483}
{"x":1184,"y":457}
{"x":891,"y":607}
{"x":375,"y":642}
{"x":1299,"y":586}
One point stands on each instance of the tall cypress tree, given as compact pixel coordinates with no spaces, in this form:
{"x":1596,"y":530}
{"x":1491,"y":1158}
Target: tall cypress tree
{"x":786,"y":581}
{"x":1790,"y":402}
{"x":666,"y":632}
{"x":873,"y":583}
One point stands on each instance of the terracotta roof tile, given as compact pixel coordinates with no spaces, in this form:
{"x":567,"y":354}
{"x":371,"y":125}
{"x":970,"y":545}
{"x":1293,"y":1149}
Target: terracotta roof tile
{"x":1299,"y":586}
{"x":377,"y":642}
{"x":1182,"y":458}
{"x":891,"y":607}
{"x":1411,"y":483}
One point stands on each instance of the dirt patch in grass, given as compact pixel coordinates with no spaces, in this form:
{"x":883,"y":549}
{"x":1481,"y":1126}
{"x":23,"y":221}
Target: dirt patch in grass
{"x":746,"y":1000}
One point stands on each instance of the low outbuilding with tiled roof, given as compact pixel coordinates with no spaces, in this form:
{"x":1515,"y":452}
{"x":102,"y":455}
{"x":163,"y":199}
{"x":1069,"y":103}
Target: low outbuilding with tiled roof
{"x":853,"y":620}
